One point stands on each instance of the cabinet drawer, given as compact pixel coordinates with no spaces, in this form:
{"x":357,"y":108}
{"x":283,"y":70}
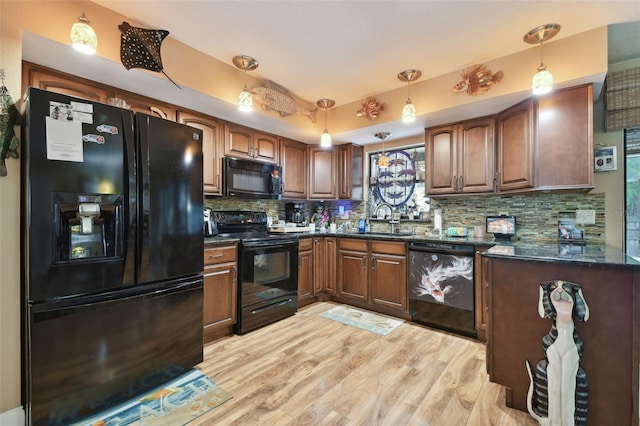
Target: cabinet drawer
{"x":353,"y":244}
{"x":389,"y":247}
{"x":305,"y":244}
{"x":221,"y":254}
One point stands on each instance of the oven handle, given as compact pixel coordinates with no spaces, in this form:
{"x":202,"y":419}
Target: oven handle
{"x":266,"y":244}
{"x":273,"y":306}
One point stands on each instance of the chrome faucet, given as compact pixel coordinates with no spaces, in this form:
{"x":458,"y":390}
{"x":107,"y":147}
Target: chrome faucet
{"x":393,"y":222}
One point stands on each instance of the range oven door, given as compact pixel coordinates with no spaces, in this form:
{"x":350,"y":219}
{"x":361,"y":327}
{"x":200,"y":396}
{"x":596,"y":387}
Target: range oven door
{"x":441,"y":288}
{"x":268,"y":289}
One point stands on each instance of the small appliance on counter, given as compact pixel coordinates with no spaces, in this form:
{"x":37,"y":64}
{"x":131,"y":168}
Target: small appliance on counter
{"x":502,"y":227}
{"x":210,"y":227}
{"x":295,"y":214}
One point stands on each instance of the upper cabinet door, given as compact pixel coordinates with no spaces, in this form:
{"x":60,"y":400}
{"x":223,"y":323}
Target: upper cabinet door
{"x":564,"y":151}
{"x":350,"y":172}
{"x":516,"y":139}
{"x":476,"y":164}
{"x":442,"y":164}
{"x":322,"y":173}
{"x":55,"y":81}
{"x":238,"y":141}
{"x":147,"y":106}
{"x":243,"y":142}
{"x":265,"y":148}
{"x":294,"y":162}
{"x":211,"y":149}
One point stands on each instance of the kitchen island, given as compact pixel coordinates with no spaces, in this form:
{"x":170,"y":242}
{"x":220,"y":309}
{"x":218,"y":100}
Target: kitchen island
{"x":610,"y":283}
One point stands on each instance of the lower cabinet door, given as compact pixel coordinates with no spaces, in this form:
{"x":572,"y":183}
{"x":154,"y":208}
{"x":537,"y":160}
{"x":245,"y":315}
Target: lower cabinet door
{"x":220,"y":295}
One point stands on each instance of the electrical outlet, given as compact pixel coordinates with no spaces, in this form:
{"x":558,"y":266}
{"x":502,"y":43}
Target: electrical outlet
{"x":586,"y":217}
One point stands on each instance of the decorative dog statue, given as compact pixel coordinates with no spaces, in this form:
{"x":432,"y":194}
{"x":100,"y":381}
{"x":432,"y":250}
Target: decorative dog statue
{"x":558,"y":394}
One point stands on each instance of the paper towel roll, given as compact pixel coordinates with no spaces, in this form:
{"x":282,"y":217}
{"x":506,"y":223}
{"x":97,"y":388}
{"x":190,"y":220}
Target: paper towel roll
{"x":437,"y":219}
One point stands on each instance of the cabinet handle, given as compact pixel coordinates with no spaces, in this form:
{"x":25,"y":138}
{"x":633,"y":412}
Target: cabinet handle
{"x":213,"y":256}
{"x":373,"y":262}
{"x":235,"y":275}
{"x":364,"y":263}
{"x":460,"y":183}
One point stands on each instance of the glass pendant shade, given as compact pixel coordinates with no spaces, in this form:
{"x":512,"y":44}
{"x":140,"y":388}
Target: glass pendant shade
{"x":383,"y":161}
{"x":542,"y":81}
{"x":408,"y":112}
{"x":83,"y":37}
{"x":245,"y":100}
{"x":325,"y":139}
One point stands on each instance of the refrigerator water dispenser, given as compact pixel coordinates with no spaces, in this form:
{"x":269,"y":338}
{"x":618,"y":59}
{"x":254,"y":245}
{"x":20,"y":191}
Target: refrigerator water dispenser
{"x":87,"y":226}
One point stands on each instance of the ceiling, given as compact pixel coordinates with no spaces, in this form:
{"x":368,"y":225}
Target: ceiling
{"x":348,"y":50}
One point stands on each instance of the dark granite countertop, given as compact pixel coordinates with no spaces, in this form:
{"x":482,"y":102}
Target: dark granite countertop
{"x":585,"y":254}
{"x":217,"y":241}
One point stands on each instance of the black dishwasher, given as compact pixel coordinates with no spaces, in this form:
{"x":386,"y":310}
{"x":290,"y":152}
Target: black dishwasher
{"x":441,"y":289}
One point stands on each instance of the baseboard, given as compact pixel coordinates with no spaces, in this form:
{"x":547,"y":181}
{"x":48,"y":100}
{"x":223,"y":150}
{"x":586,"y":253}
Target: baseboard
{"x":13,"y":417}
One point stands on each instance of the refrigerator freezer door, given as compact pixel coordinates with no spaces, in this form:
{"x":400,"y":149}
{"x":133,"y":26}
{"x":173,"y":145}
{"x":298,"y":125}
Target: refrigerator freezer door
{"x":88,"y":357}
{"x":170,"y":192}
{"x":77,"y":162}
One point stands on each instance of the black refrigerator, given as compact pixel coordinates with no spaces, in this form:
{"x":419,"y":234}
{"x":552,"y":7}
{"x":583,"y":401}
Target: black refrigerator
{"x":112,"y":255}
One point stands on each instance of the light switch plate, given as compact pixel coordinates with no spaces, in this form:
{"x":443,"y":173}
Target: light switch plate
{"x":586,"y":217}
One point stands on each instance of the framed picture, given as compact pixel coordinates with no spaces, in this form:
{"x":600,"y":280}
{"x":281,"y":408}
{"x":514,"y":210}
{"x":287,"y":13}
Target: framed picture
{"x":605,"y":159}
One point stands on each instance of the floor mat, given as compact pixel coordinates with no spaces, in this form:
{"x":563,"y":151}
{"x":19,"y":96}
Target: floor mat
{"x":376,"y":323}
{"x":175,"y":403}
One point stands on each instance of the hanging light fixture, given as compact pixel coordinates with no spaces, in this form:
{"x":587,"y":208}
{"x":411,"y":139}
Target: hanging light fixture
{"x":245,"y":63}
{"x":83,"y":37}
{"x":542,"y":81}
{"x":409,"y":111}
{"x":383,"y":160}
{"x":325,"y":139}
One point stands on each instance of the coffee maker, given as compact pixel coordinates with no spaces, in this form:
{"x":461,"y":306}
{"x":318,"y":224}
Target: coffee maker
{"x":295,"y":213}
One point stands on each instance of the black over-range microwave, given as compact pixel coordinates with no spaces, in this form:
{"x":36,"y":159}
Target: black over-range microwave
{"x":252,"y":179}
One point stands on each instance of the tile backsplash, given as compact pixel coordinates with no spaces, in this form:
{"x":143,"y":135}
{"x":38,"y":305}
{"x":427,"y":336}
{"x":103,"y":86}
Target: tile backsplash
{"x":537,"y":215}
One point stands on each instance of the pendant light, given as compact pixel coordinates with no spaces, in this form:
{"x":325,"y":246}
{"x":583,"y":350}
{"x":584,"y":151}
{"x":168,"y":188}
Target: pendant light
{"x":383,"y":160}
{"x":542,"y":81}
{"x":83,"y":37}
{"x":245,"y":63}
{"x":409,"y":111}
{"x":325,"y":139}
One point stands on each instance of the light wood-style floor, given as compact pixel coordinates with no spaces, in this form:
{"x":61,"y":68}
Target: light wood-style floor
{"x":309,"y":370}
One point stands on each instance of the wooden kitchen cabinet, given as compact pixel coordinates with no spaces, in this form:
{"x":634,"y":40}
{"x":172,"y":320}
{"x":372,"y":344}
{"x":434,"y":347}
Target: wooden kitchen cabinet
{"x":320,"y":265}
{"x":330,"y":267}
{"x":353,"y":269}
{"x":211,"y":148}
{"x":322,"y":173}
{"x":249,"y":144}
{"x":481,"y":297}
{"x":516,"y":138}
{"x":460,"y":157}
{"x":59,"y":82}
{"x":153,"y":107}
{"x":388,"y":274}
{"x":350,"y":172}
{"x":294,"y":162}
{"x":546,"y":143}
{"x":373,"y":272}
{"x":305,"y":271}
{"x":564,"y":144}
{"x":220,"y":290}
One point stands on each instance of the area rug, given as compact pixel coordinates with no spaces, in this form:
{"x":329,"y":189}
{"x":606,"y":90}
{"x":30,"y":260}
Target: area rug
{"x":376,"y":323}
{"x":175,"y":403}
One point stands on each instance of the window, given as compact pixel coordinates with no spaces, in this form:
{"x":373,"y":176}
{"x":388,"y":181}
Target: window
{"x":399,"y":187}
